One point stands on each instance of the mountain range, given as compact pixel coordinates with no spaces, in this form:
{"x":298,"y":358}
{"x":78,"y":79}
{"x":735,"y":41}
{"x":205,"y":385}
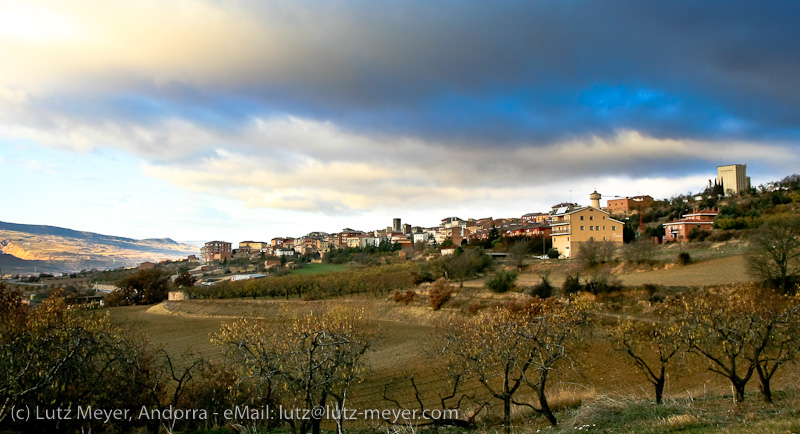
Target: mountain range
{"x":37,"y":248}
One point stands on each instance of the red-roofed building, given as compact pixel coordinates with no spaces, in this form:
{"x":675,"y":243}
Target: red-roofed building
{"x":678,"y":230}
{"x":530,"y":230}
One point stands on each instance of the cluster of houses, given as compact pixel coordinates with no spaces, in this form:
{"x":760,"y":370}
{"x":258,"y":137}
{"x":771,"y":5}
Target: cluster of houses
{"x":568,"y":224}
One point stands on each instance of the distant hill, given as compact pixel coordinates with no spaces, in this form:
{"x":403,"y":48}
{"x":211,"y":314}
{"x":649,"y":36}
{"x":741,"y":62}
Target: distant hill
{"x":30,"y":248}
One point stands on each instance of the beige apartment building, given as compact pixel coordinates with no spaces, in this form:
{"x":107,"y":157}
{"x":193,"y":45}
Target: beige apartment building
{"x":572,"y":226}
{"x":733,"y":178}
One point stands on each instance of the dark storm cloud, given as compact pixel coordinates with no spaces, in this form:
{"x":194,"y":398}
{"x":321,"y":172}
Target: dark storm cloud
{"x":470,"y":73}
{"x":536,"y":71}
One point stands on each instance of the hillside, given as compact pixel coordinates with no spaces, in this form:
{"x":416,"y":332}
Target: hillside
{"x":37,"y":248}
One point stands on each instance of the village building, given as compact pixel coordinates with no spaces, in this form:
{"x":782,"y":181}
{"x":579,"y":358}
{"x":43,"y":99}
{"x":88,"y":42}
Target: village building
{"x":572,"y":225}
{"x":628,"y":205}
{"x":679,"y":230}
{"x":216,"y":251}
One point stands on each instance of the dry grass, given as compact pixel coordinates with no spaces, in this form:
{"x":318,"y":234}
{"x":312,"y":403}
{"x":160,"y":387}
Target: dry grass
{"x":679,"y":421}
{"x":597,"y":391}
{"x":720,"y":271}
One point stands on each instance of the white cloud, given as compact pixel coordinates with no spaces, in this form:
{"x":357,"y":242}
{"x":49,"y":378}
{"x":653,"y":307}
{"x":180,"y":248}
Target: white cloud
{"x":297,"y":164}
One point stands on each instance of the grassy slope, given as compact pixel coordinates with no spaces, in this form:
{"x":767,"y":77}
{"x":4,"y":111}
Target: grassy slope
{"x":710,"y":272}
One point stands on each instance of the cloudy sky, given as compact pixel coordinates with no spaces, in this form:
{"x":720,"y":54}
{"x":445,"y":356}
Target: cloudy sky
{"x":252,"y":119}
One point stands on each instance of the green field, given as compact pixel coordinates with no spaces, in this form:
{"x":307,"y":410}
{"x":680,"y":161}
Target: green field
{"x":313,"y":268}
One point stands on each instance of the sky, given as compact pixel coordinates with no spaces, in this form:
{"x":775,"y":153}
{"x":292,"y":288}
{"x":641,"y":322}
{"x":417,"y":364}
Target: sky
{"x":247,"y":120}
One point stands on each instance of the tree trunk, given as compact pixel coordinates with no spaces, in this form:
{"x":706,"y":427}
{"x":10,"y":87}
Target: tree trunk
{"x":659,"y":384}
{"x":764,"y":386}
{"x":507,"y":414}
{"x":545,"y":407}
{"x":738,"y":386}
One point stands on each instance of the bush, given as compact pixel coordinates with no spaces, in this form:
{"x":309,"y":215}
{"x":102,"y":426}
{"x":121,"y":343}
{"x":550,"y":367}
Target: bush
{"x":721,"y":235}
{"x":542,"y":289}
{"x":474,"y":306}
{"x":600,"y":283}
{"x":594,"y":253}
{"x":439,"y":293}
{"x":639,"y":252}
{"x":404,"y":297}
{"x":572,"y":285}
{"x":553,"y":253}
{"x":651,"y":290}
{"x":698,"y":234}
{"x":684,"y":258}
{"x":502,"y":281}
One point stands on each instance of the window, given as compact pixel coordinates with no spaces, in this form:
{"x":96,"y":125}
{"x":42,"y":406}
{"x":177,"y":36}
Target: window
{"x":591,"y":238}
{"x":604,"y":228}
{"x":591,"y":217}
{"x":591,"y":228}
{"x":597,"y":228}
{"x":582,"y":227}
{"x":613,"y":228}
{"x":581,"y":217}
{"x":604,"y":238}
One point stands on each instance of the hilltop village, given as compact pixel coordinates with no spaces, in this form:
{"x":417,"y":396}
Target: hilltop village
{"x":565,"y":226}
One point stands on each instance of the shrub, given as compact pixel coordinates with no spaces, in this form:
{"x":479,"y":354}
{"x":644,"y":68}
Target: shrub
{"x":651,"y":290}
{"x":502,"y":281}
{"x":439,"y":293}
{"x":721,"y":235}
{"x":474,"y":306}
{"x":404,"y":297}
{"x":639,"y":252}
{"x":594,"y":253}
{"x":684,"y":258}
{"x":600,"y":283}
{"x":698,"y":234}
{"x":553,"y":253}
{"x":572,"y":285}
{"x":542,"y":289}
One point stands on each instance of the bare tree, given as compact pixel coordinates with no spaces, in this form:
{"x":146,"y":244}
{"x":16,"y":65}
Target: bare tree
{"x":741,"y":331}
{"x":593,"y":253}
{"x":639,"y":252}
{"x":779,"y":330}
{"x":774,"y":255}
{"x":314,"y":358}
{"x":506,"y":350}
{"x":650,"y":345}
